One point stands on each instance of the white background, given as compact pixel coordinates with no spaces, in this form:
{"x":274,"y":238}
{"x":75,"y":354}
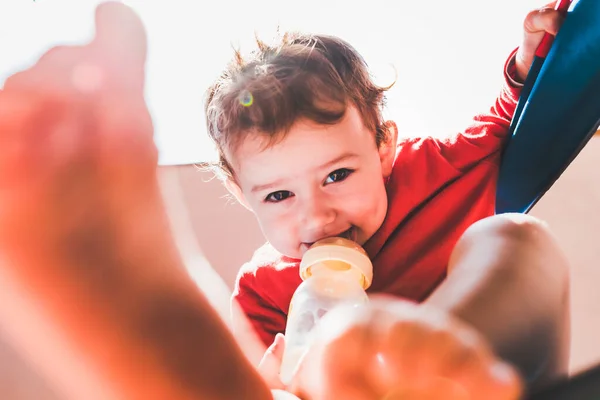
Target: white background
{"x":448,"y":54}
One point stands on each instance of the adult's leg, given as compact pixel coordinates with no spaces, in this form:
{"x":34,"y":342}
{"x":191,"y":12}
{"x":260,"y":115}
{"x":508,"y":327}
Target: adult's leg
{"x":93,"y":292}
{"x":509,"y":279}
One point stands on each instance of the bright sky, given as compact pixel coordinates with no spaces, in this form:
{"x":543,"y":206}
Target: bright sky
{"x":448,"y":54}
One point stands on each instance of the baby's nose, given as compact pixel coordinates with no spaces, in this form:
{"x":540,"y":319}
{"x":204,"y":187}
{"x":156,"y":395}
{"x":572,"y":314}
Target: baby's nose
{"x":317,"y":217}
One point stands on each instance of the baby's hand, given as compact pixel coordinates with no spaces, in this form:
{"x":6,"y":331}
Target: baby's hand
{"x":392,"y":349}
{"x":536,"y":24}
{"x":270,"y":364}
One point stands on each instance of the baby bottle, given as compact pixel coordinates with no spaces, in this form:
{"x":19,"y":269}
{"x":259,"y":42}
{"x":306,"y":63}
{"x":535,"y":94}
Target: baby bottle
{"x":334,"y":271}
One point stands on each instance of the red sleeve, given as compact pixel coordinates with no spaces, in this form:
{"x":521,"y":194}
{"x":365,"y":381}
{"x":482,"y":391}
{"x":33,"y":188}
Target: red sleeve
{"x":265,"y":316}
{"x":489,"y":131}
{"x":425,"y":167}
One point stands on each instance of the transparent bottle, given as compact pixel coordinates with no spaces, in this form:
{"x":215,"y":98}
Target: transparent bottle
{"x":334,"y":271}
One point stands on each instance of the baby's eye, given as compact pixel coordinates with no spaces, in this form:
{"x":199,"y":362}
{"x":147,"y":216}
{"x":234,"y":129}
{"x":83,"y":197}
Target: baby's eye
{"x":338,"y":175}
{"x":278,"y":196}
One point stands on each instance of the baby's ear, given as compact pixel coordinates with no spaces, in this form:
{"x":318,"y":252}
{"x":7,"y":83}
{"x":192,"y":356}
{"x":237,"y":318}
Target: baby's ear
{"x":387,"y":148}
{"x":236,"y":191}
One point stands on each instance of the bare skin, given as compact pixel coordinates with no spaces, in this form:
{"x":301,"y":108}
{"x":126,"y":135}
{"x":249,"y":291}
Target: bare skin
{"x":511,"y":268}
{"x":395,"y":350}
{"x":93,"y":291}
{"x":504,"y":268}
{"x":507,"y":278}
{"x":92,"y":288}
{"x":507,"y":292}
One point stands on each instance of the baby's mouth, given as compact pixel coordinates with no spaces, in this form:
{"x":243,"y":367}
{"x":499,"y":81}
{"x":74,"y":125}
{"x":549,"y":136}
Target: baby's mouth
{"x":349,"y":234}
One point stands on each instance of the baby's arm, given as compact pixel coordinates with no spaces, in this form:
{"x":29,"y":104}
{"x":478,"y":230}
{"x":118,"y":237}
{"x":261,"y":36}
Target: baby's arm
{"x":507,"y":276}
{"x":489,"y":131}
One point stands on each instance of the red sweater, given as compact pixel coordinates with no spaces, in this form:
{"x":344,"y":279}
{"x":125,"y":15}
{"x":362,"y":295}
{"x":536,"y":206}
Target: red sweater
{"x":438,"y":188}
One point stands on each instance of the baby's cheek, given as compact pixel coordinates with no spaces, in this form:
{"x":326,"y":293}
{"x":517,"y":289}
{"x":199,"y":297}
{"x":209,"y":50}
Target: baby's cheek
{"x":382,"y":204}
{"x":280,"y":231}
{"x":373,"y":206}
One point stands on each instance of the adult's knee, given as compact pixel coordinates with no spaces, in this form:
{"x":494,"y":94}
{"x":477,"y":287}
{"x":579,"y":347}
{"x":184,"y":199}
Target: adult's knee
{"x":523,"y":259}
{"x":520,"y":237}
{"x":521,"y":228}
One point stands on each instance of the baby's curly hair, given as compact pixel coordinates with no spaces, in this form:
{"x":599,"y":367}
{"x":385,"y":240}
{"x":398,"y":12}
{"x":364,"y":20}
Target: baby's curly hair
{"x":312,"y":77}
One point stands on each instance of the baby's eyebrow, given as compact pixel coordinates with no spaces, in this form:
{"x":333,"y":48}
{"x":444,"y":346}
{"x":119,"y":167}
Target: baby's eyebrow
{"x":266,"y":186}
{"x":342,"y":157}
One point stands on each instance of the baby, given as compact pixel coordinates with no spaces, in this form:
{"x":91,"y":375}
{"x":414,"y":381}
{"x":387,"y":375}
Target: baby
{"x":86,"y":241}
{"x":303,"y":145}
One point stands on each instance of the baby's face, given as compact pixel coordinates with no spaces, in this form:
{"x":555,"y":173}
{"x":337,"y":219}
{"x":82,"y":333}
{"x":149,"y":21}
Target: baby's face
{"x":319,"y":181}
